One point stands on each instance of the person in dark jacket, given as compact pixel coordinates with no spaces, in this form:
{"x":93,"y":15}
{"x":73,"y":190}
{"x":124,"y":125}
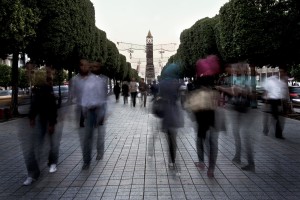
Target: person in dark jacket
{"x":172,"y":118}
{"x":206,"y":114}
{"x":125,"y":91}
{"x":43,"y":118}
{"x":117,"y":91}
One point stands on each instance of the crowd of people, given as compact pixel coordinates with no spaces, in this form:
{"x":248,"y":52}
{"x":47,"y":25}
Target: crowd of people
{"x":88,"y":90}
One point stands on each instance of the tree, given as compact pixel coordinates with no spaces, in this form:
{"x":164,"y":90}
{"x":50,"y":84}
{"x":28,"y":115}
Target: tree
{"x":111,"y":65}
{"x":18,"y":27}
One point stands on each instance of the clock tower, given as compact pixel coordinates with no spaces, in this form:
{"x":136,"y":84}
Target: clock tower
{"x":150,"y":73}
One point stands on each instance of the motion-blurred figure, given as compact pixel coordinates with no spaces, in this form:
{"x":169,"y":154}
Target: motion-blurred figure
{"x":190,"y":86}
{"x":125,"y":91}
{"x":205,"y":100}
{"x":76,"y":87}
{"x":154,"y":89}
{"x":133,"y":89}
{"x":143,"y":88}
{"x":43,"y":117}
{"x":173,"y":117}
{"x":240,"y":95}
{"x":117,"y":91}
{"x":94,"y":107}
{"x":276,"y":94}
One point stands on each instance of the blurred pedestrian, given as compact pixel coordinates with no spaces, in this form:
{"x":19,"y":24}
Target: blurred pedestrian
{"x":125,"y":91}
{"x":117,"y":91}
{"x":242,"y":117}
{"x":173,"y":116}
{"x":76,"y":87}
{"x":143,"y":89}
{"x":133,"y":89}
{"x":43,"y":118}
{"x":203,"y":101}
{"x":154,"y":89}
{"x":276,"y":88}
{"x":190,"y":86}
{"x":94,"y":107}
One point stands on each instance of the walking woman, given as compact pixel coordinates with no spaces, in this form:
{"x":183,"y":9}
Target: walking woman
{"x":172,"y":118}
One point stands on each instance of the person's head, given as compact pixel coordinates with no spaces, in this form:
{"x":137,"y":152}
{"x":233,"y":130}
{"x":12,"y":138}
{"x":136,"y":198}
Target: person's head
{"x":171,"y":71}
{"x":84,"y":67}
{"x":142,"y":80}
{"x":208,"y":66}
{"x":95,"y":67}
{"x":132,"y":79}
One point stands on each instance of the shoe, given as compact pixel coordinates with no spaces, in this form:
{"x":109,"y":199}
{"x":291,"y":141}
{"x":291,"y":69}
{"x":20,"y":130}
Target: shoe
{"x":210,"y":173}
{"x":250,"y":168}
{"x":85,"y":166}
{"x":81,"y":124}
{"x":280,"y":137}
{"x":99,"y":157}
{"x":236,"y":160}
{"x":53,"y":168}
{"x":172,"y":165}
{"x":29,"y":180}
{"x":200,"y":165}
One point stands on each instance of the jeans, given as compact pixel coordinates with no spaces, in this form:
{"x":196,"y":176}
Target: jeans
{"x":91,"y":127}
{"x":34,"y":145}
{"x":133,"y":98}
{"x":144,"y":98}
{"x":241,"y":125}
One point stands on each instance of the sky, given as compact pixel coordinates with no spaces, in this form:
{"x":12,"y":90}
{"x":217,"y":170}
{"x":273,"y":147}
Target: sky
{"x":129,"y":21}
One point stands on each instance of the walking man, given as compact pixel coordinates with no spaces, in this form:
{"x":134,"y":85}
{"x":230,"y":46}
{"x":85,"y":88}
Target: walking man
{"x":143,"y":88}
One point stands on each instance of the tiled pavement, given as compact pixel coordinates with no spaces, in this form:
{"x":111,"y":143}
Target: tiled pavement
{"x":126,"y":172}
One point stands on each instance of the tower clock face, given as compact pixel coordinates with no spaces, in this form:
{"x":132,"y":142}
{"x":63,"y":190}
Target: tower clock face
{"x":149,"y":40}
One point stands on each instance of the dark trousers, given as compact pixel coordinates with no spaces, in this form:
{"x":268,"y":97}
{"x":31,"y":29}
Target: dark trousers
{"x":171,"y":137}
{"x":117,"y":96}
{"x":133,"y":98}
{"x":275,"y":103}
{"x":35,"y":145}
{"x":88,"y":132}
{"x":206,"y":122}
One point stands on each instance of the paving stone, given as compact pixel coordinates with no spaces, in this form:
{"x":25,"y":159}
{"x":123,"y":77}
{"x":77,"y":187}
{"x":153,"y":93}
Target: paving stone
{"x":126,"y":171}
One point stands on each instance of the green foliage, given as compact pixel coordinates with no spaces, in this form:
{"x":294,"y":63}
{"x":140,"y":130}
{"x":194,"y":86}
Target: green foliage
{"x":59,"y":77}
{"x":23,"y":78}
{"x":111,"y":65}
{"x":295,"y":72}
{"x":123,"y":68}
{"x":18,"y":25}
{"x":5,"y":74}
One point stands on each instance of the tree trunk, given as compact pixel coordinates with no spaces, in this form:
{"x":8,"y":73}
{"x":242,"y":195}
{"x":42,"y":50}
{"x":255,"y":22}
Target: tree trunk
{"x":14,"y":81}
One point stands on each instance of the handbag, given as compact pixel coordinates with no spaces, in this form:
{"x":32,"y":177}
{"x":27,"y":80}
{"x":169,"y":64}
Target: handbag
{"x":158,"y":107}
{"x":202,"y":99}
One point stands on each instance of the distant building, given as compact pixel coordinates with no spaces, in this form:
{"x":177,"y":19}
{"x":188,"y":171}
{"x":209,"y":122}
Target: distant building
{"x":241,"y":72}
{"x":9,"y":60}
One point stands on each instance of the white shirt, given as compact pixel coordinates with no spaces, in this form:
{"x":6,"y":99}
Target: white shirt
{"x":275,"y":88}
{"x":94,"y":93}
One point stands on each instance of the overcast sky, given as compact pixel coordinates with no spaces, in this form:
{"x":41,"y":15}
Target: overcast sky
{"x":130,"y":20}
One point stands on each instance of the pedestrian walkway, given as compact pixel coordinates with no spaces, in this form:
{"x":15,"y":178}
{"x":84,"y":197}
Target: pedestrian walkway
{"x":127,"y":172}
